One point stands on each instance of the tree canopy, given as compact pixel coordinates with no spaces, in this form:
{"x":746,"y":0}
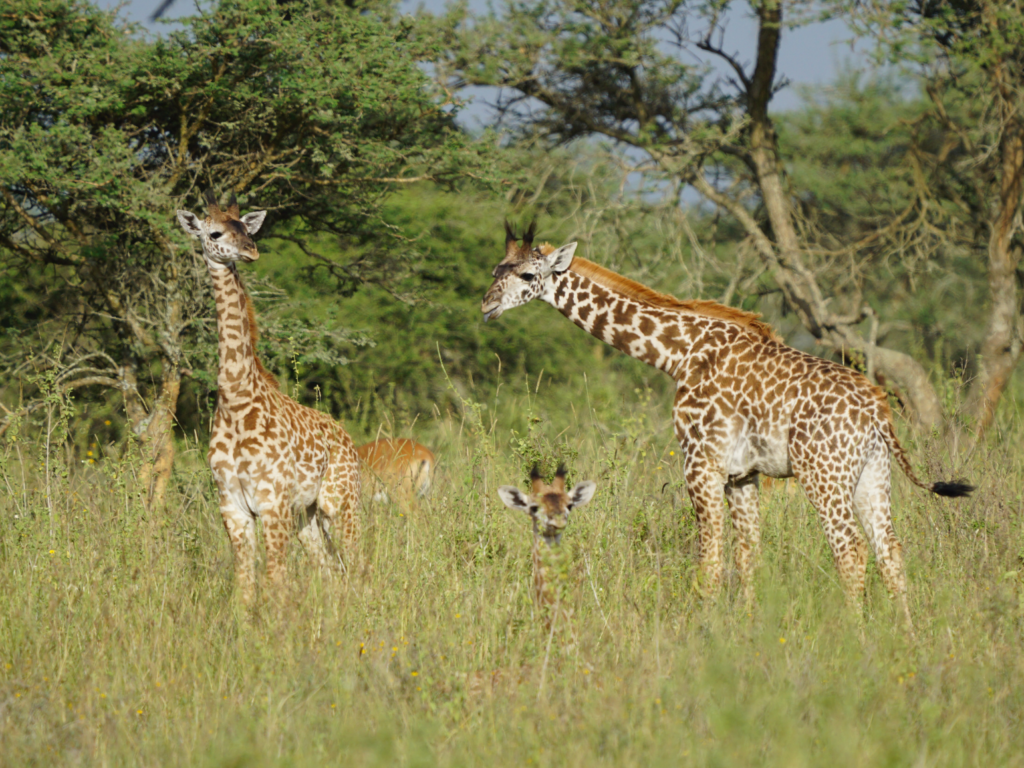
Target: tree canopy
{"x":314,"y":112}
{"x":854,"y":223}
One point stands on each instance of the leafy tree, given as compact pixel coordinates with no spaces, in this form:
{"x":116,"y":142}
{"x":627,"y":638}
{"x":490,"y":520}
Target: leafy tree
{"x":314,"y":112}
{"x":630,"y":71}
{"x":969,"y":55}
{"x":860,"y":157}
{"x":453,"y":242}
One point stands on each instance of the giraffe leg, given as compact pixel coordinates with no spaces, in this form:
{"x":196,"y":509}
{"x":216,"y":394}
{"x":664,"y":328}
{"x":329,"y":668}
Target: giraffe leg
{"x":705,"y":487}
{"x":277,"y":528}
{"x":314,"y":542}
{"x":339,"y":502}
{"x":241,"y":528}
{"x":832,"y":499}
{"x":872,"y":504}
{"x":742,"y":497}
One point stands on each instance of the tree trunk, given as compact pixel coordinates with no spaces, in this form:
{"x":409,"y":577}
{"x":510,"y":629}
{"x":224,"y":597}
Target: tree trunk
{"x":798,"y":284}
{"x":1004,"y":334}
{"x":155,"y":430}
{"x":158,"y":453}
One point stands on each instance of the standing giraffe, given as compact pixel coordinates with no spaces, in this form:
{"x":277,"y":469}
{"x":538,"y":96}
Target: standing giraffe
{"x":270,"y":456}
{"x":746,"y":404}
{"x":548,"y":507}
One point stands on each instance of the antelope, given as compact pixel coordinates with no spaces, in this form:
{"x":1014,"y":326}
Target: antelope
{"x":396,"y":466}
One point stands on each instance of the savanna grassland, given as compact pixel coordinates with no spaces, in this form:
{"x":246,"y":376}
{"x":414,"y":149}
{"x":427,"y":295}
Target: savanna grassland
{"x":878,"y":224}
{"x":121,"y":643}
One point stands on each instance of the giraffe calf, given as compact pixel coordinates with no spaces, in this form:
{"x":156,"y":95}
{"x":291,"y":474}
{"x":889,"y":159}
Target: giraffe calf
{"x":548,"y":507}
{"x":272,"y":458}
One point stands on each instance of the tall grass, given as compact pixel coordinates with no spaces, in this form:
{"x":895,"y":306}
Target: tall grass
{"x":121,"y":644}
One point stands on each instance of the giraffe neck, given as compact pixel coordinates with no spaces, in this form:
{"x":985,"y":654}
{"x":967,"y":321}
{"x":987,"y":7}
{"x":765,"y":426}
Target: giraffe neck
{"x":546,"y":565}
{"x":663,"y":338}
{"x":238,"y":374}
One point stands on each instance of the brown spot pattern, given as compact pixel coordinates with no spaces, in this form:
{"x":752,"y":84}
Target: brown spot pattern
{"x":746,"y":405}
{"x":272,"y":458}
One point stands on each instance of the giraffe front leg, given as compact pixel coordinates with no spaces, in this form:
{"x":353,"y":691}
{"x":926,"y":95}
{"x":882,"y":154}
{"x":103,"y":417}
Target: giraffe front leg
{"x":277,"y":528}
{"x":241,"y":528}
{"x":743,"y":509}
{"x":705,"y":486}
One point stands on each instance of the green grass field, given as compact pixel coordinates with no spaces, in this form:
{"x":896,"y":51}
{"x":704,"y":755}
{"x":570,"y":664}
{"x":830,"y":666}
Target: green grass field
{"x":120,"y":643}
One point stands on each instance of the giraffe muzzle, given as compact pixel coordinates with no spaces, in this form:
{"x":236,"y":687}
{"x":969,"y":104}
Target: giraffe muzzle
{"x":491,"y":309}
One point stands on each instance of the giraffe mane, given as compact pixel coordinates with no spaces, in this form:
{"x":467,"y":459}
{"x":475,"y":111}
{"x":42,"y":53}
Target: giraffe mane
{"x":254,"y":334}
{"x":634,"y":290}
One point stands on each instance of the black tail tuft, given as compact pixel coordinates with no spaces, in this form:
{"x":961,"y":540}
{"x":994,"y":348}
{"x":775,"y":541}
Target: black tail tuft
{"x":952,"y":489}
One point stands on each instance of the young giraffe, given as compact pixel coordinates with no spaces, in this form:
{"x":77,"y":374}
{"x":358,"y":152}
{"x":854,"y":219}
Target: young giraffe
{"x":270,"y":456}
{"x":746,"y":404}
{"x":548,"y":507}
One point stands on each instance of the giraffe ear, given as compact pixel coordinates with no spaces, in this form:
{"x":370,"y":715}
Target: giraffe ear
{"x":514,"y":498}
{"x":582,"y":493}
{"x":560,"y":258}
{"x":190,"y":223}
{"x":253,"y":221}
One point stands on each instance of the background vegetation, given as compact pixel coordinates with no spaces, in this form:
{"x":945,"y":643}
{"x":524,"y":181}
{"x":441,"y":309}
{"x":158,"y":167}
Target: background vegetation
{"x":879,"y":224}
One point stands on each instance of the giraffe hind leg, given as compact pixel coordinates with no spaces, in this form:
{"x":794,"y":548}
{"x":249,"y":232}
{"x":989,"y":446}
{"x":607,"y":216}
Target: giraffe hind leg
{"x":872,"y":503}
{"x":339,"y":505}
{"x":834,"y":505}
{"x":314,"y":541}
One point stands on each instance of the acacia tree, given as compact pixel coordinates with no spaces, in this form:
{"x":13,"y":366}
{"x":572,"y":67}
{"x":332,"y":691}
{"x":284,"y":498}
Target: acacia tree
{"x":969,"y":55}
{"x":868,"y":166}
{"x":629,"y":70}
{"x":314,"y":112}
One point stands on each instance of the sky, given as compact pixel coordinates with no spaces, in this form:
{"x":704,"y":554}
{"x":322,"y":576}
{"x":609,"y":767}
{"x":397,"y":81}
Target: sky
{"x":811,"y":55}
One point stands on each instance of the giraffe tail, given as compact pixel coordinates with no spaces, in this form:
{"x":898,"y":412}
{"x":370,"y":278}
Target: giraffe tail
{"x":953,"y":489}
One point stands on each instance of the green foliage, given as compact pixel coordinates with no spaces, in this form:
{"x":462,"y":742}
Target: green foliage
{"x":861,"y":160}
{"x":602,"y":68}
{"x":431,"y":316}
{"x":317,"y":112}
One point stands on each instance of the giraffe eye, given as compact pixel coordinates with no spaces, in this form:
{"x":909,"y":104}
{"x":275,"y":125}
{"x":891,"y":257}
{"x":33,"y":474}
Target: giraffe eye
{"x":527,"y":276}
{"x":215,"y":235}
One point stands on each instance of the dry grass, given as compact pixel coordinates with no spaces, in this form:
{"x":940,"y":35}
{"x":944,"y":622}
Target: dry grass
{"x":120,"y":642}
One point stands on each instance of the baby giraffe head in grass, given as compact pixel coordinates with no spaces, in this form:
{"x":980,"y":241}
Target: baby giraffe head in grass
{"x":548,"y":505}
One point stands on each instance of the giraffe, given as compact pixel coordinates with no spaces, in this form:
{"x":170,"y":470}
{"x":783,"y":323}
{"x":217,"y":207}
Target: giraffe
{"x":745,"y":405}
{"x":548,"y":507}
{"x":400,"y":466}
{"x":270,"y":456}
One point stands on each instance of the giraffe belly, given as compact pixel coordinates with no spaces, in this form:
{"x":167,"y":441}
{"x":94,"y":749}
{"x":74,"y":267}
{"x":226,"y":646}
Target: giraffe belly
{"x":259,"y":486}
{"x":750,"y":453}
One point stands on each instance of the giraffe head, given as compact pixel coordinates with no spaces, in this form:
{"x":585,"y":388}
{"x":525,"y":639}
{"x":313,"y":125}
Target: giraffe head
{"x":525,"y":273}
{"x":226,"y":236}
{"x":548,"y":505}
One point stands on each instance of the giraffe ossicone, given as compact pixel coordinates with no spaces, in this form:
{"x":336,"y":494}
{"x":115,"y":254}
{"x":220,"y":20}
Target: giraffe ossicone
{"x":271,"y":457}
{"x":746,"y":405}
